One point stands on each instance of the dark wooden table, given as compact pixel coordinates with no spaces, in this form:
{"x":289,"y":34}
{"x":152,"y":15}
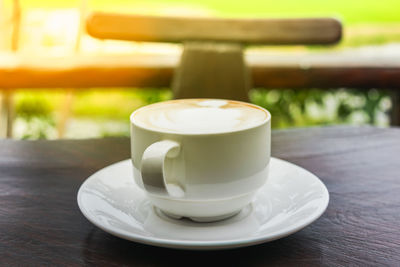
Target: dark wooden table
{"x":40,"y":223}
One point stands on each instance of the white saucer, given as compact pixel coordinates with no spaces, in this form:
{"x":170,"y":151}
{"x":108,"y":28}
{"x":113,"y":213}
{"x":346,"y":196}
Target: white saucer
{"x":290,"y":200}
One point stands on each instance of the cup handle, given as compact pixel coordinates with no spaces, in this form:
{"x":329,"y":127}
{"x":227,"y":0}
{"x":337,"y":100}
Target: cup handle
{"x":152,"y":167}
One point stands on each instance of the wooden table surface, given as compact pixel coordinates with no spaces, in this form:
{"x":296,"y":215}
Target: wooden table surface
{"x":40,"y":223}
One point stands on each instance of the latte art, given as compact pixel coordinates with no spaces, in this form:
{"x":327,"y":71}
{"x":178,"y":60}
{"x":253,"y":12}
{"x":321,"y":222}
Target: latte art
{"x":199,"y":116}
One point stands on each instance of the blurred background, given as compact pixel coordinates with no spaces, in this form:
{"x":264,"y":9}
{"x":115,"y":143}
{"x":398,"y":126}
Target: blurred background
{"x":56,"y":28}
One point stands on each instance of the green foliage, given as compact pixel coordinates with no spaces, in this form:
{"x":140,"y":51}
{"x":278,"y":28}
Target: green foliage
{"x":36,"y":112}
{"x":150,"y":96}
{"x":115,"y":104}
{"x":292,"y":108}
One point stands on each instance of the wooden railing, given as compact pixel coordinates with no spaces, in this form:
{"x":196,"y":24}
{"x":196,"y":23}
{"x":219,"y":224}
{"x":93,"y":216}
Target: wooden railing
{"x":276,"y":71}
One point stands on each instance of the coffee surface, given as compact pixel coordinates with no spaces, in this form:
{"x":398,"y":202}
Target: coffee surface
{"x":199,"y":116}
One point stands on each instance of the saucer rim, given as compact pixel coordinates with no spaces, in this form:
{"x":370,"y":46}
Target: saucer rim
{"x":212,"y":244}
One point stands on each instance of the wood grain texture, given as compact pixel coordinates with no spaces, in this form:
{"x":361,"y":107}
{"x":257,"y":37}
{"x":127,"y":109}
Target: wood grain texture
{"x":248,"y":31}
{"x":148,"y":71}
{"x":41,"y":224}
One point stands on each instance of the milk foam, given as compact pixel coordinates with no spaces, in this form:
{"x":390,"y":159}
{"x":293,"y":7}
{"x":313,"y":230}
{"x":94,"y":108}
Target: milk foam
{"x":198,"y":116}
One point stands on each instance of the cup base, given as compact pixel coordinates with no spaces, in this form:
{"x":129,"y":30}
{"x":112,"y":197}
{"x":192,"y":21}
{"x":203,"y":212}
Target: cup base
{"x":200,"y":219}
{"x":200,"y":211}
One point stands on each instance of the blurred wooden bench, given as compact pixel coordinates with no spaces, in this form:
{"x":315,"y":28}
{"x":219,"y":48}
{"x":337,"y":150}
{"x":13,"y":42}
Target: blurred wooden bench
{"x":212,"y":63}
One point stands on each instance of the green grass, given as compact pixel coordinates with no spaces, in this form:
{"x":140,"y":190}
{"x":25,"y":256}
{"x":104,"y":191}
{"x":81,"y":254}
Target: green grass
{"x":350,"y":11}
{"x":357,"y":15}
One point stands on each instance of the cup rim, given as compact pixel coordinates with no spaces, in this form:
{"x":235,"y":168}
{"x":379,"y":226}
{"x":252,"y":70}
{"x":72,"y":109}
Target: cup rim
{"x":266,"y":120}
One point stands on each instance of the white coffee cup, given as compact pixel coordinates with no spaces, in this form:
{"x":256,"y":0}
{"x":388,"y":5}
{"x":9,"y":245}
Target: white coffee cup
{"x":200,"y":158}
